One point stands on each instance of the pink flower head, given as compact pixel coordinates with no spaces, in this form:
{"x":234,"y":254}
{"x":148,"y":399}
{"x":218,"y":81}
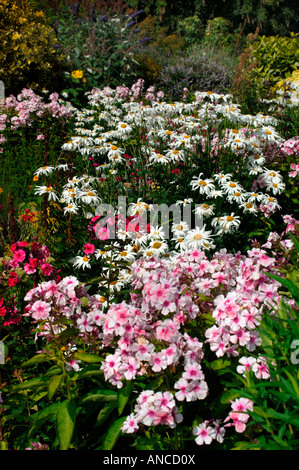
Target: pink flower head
{"x":40,"y":310}
{"x":19,"y":256}
{"x":89,"y":249}
{"x":46,"y":269}
{"x":204,"y":434}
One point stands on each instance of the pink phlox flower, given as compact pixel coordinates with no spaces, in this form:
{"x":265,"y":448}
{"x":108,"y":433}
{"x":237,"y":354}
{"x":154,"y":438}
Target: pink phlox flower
{"x":261,"y":368}
{"x":130,"y":425}
{"x":40,"y":310}
{"x":183,"y":387}
{"x":158,"y":361}
{"x":84,"y":323}
{"x":193,"y":371}
{"x":164,"y":401}
{"x":204,"y":434}
{"x":199,"y":389}
{"x":218,"y":431}
{"x":129,"y":368}
{"x":111,"y":365}
{"x":246,"y":364}
{"x":166,"y":330}
{"x":143,"y":351}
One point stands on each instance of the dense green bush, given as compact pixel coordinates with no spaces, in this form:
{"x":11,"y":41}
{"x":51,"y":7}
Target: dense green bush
{"x":28,"y":57}
{"x":99,"y":48}
{"x":191,"y":29}
{"x":273,"y":58}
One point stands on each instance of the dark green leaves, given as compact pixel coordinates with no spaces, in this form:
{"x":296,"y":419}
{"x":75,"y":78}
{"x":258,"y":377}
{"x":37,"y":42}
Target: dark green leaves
{"x":65,"y":423}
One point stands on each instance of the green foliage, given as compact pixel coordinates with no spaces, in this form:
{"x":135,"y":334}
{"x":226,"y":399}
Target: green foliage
{"x":275,"y":416}
{"x":218,"y":32}
{"x":191,"y":29}
{"x":274,"y":58}
{"x":99,"y":48}
{"x":28,"y":57}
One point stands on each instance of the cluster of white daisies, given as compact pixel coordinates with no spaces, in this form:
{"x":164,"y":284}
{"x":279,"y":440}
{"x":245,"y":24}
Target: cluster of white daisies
{"x":169,"y":134}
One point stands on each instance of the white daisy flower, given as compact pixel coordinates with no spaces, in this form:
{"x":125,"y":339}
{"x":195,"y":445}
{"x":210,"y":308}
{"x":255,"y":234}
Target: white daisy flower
{"x":81,"y":262}
{"x":44,"y":170}
{"x":71,"y":209}
{"x":204,"y":210}
{"x":205,"y":186}
{"x":199,"y":238}
{"x":51,"y":193}
{"x":180,"y":229}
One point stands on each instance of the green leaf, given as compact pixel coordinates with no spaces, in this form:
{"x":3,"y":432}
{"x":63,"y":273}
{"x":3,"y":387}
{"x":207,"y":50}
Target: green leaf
{"x":41,"y":417}
{"x":53,"y":385}
{"x":101,"y":395}
{"x":113,"y":434}
{"x":219,"y":364}
{"x":68,"y":333}
{"x":88,"y":357}
{"x":293,"y":289}
{"x":37,"y":359}
{"x":123,"y":395}
{"x":105,"y":413}
{"x":65,"y":423}
{"x":88,"y":371}
{"x":33,"y":383}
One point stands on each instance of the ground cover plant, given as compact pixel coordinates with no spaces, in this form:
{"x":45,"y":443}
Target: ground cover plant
{"x":149,"y":241}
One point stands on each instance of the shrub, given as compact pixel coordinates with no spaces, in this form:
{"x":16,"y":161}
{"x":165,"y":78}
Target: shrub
{"x":218,"y":32}
{"x":28,"y":57}
{"x":99,"y":48}
{"x":273,"y":59}
{"x":191,"y":29}
{"x":194,"y":73}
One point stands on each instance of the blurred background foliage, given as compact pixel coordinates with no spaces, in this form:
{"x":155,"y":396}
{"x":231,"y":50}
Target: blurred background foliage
{"x":112,"y":42}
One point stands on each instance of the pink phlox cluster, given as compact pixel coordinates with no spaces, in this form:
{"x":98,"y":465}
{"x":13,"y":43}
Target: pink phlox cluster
{"x":51,"y":302}
{"x":239,"y":312}
{"x":125,"y":93}
{"x":27,"y":104}
{"x":239,"y":417}
{"x":294,"y":170}
{"x":210,"y":430}
{"x":290,"y":146}
{"x":257,"y":365}
{"x":152,"y":409}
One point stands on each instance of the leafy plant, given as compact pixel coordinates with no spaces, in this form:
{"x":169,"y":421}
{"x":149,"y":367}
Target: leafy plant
{"x":101,"y":47}
{"x":275,"y":415}
{"x":274,"y":58}
{"x":28,"y":56}
{"x":194,"y":73}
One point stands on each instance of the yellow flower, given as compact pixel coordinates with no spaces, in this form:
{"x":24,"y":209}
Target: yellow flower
{"x":77,"y":74}
{"x":15,"y":36}
{"x":1,"y":190}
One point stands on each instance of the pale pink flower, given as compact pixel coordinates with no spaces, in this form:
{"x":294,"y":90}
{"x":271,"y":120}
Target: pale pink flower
{"x":204,"y":434}
{"x":184,"y":388}
{"x":246,"y":364}
{"x":261,"y":369}
{"x":158,"y":362}
{"x":130,"y":425}
{"x":193,"y":372}
{"x":40,"y":310}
